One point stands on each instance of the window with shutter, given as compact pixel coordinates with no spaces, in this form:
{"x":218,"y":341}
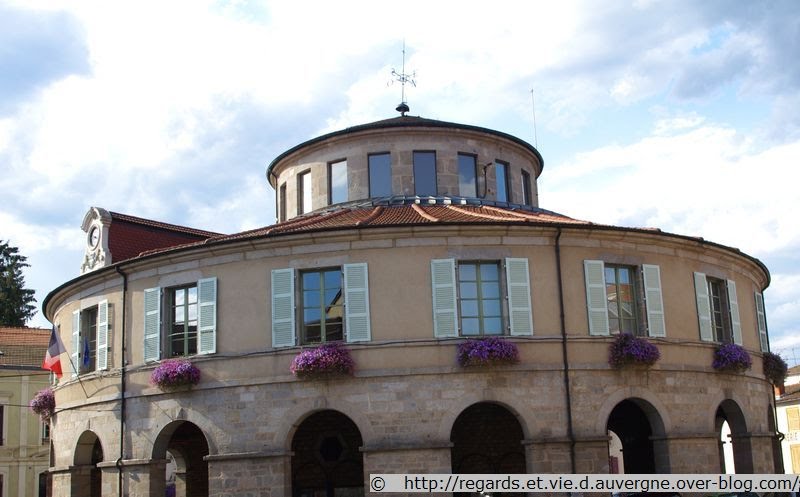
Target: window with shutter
{"x":624,"y":299}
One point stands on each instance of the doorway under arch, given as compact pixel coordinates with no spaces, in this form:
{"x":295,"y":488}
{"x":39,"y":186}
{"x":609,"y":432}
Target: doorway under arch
{"x":185,"y":443}
{"x":326,"y":459}
{"x":640,"y":430}
{"x":487,"y":438}
{"x":729,"y":413}
{"x":87,"y":480}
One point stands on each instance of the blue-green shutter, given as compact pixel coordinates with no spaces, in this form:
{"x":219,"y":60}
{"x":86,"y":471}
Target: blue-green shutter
{"x":207,"y":316}
{"x":443,"y":286}
{"x":283,"y":308}
{"x":152,"y":324}
{"x":356,"y":302}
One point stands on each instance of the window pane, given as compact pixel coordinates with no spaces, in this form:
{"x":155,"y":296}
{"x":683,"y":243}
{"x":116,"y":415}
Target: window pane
{"x":304,"y":193}
{"x":311,"y":316}
{"x":469,"y":290}
{"x":490,"y":290}
{"x":469,"y":308}
{"x":313,"y":334}
{"x":311,"y":298}
{"x":467,"y":272}
{"x":502,"y":181}
{"x":333,"y":332}
{"x":493,"y":326}
{"x":311,"y":281}
{"x":489,"y":272}
{"x":333,"y":296}
{"x":425,"y":173}
{"x":491,"y":308}
{"x":192,"y":312}
{"x":179,"y":297}
{"x":333,"y":279}
{"x":192,"y":294}
{"x":470,"y":326}
{"x":466,"y":176}
{"x":338,"y":179}
{"x":526,"y":188}
{"x":380,"y":175}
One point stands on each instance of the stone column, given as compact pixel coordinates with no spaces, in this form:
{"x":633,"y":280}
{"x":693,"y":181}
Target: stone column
{"x":591,"y":454}
{"x":423,"y":458}
{"x":693,"y":453}
{"x":265,"y":473}
{"x":139,"y":477}
{"x":547,"y":456}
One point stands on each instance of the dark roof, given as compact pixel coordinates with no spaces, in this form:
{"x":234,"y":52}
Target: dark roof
{"x":129,"y":236}
{"x":405,"y":122}
{"x":23,"y":347}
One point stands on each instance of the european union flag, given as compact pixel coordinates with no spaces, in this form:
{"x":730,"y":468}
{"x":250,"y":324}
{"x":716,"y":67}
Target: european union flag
{"x":86,"y":352}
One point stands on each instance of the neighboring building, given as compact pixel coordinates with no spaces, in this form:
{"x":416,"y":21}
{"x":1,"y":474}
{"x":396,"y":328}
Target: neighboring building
{"x":787,"y":404}
{"x":402,"y":238}
{"x":25,"y":443}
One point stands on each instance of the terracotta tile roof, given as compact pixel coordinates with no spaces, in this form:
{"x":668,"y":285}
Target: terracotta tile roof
{"x":129,"y":236}
{"x":402,"y":211}
{"x":23,"y":346}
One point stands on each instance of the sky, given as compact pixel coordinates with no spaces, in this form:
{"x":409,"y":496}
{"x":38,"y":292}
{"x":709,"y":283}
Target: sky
{"x":681,"y":115}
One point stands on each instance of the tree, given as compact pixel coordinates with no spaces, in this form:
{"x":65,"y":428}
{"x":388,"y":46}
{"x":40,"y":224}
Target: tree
{"x":16,"y":302}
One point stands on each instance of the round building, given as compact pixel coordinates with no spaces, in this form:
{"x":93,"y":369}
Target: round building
{"x":478,"y":326}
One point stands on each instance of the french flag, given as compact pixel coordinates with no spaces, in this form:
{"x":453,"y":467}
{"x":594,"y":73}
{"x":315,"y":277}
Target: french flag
{"x":52,"y":360}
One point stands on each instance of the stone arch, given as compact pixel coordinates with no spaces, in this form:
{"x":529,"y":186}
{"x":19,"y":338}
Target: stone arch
{"x":487,"y":438}
{"x":87,"y":478}
{"x":728,"y":411}
{"x":286,"y":430}
{"x":640,"y":428}
{"x":462,"y":403}
{"x":652,"y":406}
{"x":169,"y":419}
{"x":326,"y":455}
{"x":188,"y":445}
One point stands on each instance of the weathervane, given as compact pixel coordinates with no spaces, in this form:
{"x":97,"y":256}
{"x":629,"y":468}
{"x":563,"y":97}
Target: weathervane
{"x":403,"y":78}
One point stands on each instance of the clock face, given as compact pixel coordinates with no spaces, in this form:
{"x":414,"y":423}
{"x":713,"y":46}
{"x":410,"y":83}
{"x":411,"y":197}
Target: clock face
{"x":94,"y":237}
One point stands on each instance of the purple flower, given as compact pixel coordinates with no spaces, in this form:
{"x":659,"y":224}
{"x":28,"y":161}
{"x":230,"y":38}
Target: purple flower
{"x":775,"y":368}
{"x":627,"y":349}
{"x":44,"y":403}
{"x":487,"y":351}
{"x":175,"y":373}
{"x":325,"y":360}
{"x":731,"y":357}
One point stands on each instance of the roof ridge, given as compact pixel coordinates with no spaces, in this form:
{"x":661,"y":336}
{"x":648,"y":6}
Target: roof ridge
{"x":162,"y":225}
{"x":419,"y":210}
{"x":475,"y":214}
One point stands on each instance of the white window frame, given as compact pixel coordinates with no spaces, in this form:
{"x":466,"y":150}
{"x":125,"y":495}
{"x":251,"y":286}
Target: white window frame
{"x":102,"y":335}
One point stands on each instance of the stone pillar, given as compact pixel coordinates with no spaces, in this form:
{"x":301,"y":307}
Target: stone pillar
{"x":761,"y":448}
{"x":428,"y":458}
{"x":693,"y":453}
{"x":547,"y":456}
{"x":250,"y":473}
{"x":591,"y":454}
{"x":139,"y":477}
{"x":61,"y":480}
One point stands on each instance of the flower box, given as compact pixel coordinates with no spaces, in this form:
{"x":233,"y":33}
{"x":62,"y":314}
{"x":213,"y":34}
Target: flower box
{"x":175,"y":373}
{"x":326,"y":360}
{"x":732,"y":358}
{"x":44,"y":403}
{"x":775,"y":368}
{"x":629,"y":350}
{"x":487,"y":352}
